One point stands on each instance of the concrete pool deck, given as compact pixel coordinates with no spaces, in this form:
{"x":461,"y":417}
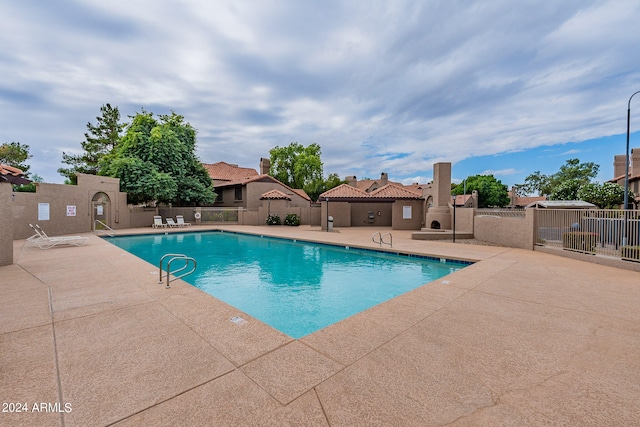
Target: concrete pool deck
{"x":519,"y":338}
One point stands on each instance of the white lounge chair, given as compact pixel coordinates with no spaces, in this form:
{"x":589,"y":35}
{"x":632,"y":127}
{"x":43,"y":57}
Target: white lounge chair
{"x":43,"y":241}
{"x":181,"y":222}
{"x":171,"y":222}
{"x":157,"y":222}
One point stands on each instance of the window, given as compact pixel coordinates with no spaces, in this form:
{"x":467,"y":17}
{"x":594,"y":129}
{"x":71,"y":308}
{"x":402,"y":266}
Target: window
{"x":238,"y":193}
{"x":219,"y":197}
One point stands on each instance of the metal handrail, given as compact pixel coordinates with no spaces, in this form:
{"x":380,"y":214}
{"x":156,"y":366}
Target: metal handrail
{"x":173,"y":257}
{"x":111,"y":232}
{"x":381,"y":240}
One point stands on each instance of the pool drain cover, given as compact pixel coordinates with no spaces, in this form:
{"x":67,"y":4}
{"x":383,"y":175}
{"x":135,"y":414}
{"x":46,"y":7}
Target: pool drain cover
{"x":238,"y":320}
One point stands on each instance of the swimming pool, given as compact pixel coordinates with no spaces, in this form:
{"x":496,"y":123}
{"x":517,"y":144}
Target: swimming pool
{"x":294,"y":286}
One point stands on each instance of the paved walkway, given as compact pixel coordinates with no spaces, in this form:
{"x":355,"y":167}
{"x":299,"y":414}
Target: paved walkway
{"x":89,"y":338}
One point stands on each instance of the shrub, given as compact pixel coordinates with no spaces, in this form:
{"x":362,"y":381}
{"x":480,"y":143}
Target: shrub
{"x":580,"y":241}
{"x":292,"y":219}
{"x":273,"y":220}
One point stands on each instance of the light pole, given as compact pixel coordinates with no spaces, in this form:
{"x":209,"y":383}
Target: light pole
{"x":626,"y":165}
{"x":454,"y":218}
{"x":626,"y":172}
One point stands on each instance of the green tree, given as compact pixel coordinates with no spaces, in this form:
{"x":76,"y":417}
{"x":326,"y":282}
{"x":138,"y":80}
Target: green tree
{"x":491,"y":191}
{"x":572,"y":170}
{"x":606,"y":196}
{"x":15,"y":154}
{"x":301,"y":167}
{"x":31,"y":187}
{"x":566,"y":190}
{"x":100,"y":140}
{"x":156,"y":162}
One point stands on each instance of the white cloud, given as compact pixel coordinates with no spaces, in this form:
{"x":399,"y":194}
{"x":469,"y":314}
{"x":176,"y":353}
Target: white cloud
{"x":438,"y":81}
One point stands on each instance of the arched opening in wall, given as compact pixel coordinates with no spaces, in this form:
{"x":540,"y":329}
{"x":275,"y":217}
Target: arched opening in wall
{"x":429,"y":202}
{"x":100,"y":209}
{"x":435,"y":225}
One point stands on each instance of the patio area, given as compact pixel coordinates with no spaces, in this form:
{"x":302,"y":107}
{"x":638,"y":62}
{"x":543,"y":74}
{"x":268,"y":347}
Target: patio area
{"x":519,"y":338}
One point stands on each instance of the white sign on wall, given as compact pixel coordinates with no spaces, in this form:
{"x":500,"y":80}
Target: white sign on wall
{"x":99,"y":210}
{"x":71,"y":210}
{"x":406,"y":212}
{"x":43,"y":211}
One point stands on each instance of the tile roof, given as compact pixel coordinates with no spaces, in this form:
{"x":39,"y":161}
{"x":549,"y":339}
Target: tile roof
{"x":393,"y":191}
{"x":12,"y":175}
{"x":345,"y":191}
{"x":389,"y":191}
{"x":223,"y":171}
{"x":275,"y":195}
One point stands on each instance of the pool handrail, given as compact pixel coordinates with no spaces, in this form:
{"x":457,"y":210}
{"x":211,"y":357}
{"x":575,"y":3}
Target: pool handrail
{"x":173,"y":257}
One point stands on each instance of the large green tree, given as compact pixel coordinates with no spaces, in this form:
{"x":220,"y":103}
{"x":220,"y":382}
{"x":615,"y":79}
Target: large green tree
{"x":301,"y":167}
{"x":15,"y":154}
{"x":156,"y":162}
{"x":100,"y":140}
{"x":606,"y":196}
{"x":491,"y":191}
{"x":546,"y":185}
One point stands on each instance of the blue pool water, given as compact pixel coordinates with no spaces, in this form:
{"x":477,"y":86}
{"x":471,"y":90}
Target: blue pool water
{"x":295,"y":287}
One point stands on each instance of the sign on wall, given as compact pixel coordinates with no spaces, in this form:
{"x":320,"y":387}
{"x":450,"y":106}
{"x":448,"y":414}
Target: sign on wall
{"x":71,"y":210}
{"x":43,"y":211}
{"x":406,"y":212}
{"x":99,"y":210}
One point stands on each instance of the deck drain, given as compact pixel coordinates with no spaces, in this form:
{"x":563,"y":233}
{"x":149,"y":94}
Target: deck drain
{"x":238,"y":320}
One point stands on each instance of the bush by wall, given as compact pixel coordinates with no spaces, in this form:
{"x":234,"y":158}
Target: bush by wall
{"x":292,"y":219}
{"x":273,"y":220}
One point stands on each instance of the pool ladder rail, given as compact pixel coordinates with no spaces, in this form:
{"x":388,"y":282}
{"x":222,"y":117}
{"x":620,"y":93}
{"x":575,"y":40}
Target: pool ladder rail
{"x":173,"y":257}
{"x":381,"y":237}
{"x":105,"y":229}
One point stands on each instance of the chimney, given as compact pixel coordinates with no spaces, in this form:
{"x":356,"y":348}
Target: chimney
{"x":384,"y":179}
{"x":619,"y":165}
{"x":352,"y":181}
{"x":265,"y":166}
{"x":635,"y":162}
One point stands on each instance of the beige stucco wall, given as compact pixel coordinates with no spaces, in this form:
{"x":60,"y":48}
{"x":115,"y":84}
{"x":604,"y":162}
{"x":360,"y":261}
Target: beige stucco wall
{"x":381,"y":214}
{"x":340,"y":211}
{"x":6,"y":224}
{"x":505,"y":231}
{"x":464,"y":220}
{"x":59,"y":196}
{"x":417,"y":215}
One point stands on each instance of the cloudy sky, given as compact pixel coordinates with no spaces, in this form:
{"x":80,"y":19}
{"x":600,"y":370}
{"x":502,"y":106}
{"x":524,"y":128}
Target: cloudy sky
{"x":493,"y":86}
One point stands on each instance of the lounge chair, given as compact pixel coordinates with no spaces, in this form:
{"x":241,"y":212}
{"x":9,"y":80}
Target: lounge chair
{"x":171,"y":222}
{"x":157,"y":222}
{"x":43,"y":241}
{"x":181,"y":222}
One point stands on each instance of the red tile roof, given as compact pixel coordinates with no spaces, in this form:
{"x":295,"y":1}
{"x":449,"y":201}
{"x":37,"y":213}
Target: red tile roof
{"x":275,"y":195}
{"x":393,"y":191}
{"x":223,"y":171}
{"x":345,"y":191}
{"x":12,"y":175}
{"x":389,"y":191}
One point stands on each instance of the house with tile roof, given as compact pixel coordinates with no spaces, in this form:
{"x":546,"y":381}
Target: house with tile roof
{"x":257,"y":194}
{"x":391,"y":205}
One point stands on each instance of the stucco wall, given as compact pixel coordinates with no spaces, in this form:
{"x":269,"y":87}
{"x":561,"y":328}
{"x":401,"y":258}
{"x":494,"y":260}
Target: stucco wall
{"x":417,"y":215}
{"x":381,"y":214}
{"x":505,"y":231}
{"x":69,"y":207}
{"x":464,"y":220}
{"x":6,"y":224}
{"x":340,"y":211}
